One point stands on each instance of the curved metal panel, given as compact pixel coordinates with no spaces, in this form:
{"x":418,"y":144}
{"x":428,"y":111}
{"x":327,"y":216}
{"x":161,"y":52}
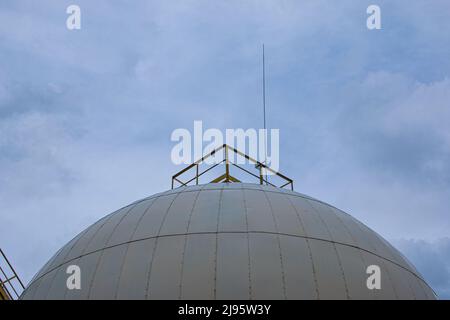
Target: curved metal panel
{"x":198,"y":268}
{"x":133,"y":283}
{"x":266,"y":273}
{"x":233,"y":273}
{"x":300,"y":282}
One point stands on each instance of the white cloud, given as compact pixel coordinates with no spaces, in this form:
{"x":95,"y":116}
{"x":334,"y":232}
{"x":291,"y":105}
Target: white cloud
{"x":426,"y":108}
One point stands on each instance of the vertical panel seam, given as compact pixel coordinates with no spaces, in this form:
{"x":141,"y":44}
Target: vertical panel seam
{"x":65,"y":256}
{"x":248,"y":247}
{"x":129,"y":243}
{"x":156,"y":243}
{"x":358,"y":225}
{"x":217,"y":239}
{"x":103,"y":251}
{"x":185,"y":242}
{"x":335,"y":250}
{"x":353,"y":238}
{"x":309,"y":247}
{"x":283,"y":278}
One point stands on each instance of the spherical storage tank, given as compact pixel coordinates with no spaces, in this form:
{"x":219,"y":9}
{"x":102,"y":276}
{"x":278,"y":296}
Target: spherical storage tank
{"x":228,"y":241}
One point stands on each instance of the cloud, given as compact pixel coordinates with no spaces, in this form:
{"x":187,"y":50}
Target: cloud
{"x":401,"y":126}
{"x":55,"y":183}
{"x":86,"y":116}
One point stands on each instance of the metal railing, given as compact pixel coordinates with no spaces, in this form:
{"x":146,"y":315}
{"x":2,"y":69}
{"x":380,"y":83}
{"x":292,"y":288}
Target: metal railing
{"x":227,"y":177}
{"x":9,"y":280}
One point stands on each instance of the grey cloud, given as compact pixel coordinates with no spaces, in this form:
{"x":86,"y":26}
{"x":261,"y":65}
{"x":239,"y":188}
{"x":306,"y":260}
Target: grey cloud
{"x":85,"y":115}
{"x":401,"y":127}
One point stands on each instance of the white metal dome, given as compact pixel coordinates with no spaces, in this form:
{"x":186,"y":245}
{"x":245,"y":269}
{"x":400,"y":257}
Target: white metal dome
{"x":228,"y":241}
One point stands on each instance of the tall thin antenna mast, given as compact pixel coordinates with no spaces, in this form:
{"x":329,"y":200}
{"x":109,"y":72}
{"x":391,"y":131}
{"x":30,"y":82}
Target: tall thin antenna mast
{"x":264,"y":108}
{"x":264,"y":86}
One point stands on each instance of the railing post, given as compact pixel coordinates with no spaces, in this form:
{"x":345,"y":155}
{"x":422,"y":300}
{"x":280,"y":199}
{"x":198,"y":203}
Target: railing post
{"x":260,"y":175}
{"x":196,"y":175}
{"x":227,"y":165}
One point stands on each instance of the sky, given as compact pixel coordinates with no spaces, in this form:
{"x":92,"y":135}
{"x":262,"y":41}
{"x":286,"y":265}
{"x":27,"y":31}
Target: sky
{"x":86,"y":115}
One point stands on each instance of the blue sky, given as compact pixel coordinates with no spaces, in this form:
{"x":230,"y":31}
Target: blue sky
{"x":86,"y":115}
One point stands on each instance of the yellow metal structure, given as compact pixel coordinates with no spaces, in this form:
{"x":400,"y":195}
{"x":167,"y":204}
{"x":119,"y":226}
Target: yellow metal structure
{"x":10,"y":283}
{"x":227,"y":177}
{"x":3,"y":294}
